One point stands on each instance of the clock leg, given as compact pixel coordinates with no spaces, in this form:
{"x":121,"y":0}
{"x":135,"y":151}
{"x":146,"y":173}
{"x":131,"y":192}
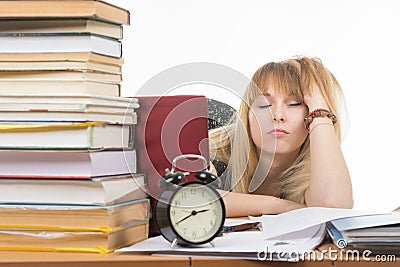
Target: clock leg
{"x":174,"y":242}
{"x":212,"y":243}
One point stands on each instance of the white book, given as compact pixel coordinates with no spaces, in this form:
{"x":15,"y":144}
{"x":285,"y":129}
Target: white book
{"x":98,"y":191}
{"x":59,"y":65}
{"x":61,"y":26}
{"x":85,"y":107}
{"x":68,"y":116}
{"x":66,"y":136}
{"x":60,"y":61}
{"x":60,"y":75}
{"x":60,"y":43}
{"x":65,"y":164}
{"x":66,"y":107}
{"x":68,"y":98}
{"x":16,"y":87}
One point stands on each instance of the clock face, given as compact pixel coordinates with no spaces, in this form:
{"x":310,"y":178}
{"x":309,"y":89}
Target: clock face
{"x":196,"y":213}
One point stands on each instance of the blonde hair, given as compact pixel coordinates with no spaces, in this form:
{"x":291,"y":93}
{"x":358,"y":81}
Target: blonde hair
{"x":233,"y":144}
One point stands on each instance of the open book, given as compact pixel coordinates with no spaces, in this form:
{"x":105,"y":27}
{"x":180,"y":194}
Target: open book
{"x":244,"y":245}
{"x":288,"y":236}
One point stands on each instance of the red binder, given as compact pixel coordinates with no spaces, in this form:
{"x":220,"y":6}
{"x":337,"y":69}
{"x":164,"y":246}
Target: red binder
{"x":169,"y":126}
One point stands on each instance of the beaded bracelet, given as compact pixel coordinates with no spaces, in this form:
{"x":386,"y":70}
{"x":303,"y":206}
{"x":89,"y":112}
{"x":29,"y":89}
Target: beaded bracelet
{"x":318,"y":113}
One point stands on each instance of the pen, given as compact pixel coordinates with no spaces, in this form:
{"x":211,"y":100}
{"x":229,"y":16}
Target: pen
{"x":240,"y":227}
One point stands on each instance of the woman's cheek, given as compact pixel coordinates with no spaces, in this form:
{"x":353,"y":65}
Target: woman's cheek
{"x":255,"y":129}
{"x":260,"y":122}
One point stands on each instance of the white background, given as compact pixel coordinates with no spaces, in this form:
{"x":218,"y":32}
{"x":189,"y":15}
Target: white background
{"x":357,"y":40}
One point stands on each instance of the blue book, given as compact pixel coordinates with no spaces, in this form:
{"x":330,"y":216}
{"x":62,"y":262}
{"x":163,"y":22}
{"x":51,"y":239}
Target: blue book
{"x":379,"y":233}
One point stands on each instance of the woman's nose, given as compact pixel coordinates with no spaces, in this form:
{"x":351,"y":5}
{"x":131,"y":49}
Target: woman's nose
{"x":278,"y":115}
{"x":278,"y":118}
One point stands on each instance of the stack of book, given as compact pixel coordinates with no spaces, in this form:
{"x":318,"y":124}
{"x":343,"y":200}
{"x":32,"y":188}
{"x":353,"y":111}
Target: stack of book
{"x":377,"y":233}
{"x":68,"y":176}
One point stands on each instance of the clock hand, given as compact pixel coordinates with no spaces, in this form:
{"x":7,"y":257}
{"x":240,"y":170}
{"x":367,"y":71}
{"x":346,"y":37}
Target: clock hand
{"x":186,"y":211}
{"x":187,"y":217}
{"x":202,"y":211}
{"x":190,"y":215}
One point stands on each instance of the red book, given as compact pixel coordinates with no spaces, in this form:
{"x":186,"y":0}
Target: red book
{"x":167,"y":127}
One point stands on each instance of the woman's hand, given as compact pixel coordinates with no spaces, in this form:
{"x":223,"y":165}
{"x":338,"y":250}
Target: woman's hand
{"x":241,"y":204}
{"x":330,"y":184}
{"x":315,"y":100}
{"x":287,"y":205}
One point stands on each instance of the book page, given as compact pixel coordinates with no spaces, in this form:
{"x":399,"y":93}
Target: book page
{"x":244,"y":245}
{"x":303,"y":218}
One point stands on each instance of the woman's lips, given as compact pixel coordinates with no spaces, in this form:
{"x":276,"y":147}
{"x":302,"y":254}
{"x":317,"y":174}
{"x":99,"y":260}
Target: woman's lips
{"x":278,"y":132}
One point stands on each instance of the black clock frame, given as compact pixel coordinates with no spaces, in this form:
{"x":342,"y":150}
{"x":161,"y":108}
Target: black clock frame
{"x":163,"y":220}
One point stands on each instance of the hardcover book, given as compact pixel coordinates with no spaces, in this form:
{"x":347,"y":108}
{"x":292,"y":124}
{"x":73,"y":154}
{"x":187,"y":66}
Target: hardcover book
{"x":169,"y":126}
{"x":84,"y":61}
{"x":16,"y":87}
{"x":96,"y":9}
{"x":85,"y":136}
{"x":74,"y":217}
{"x":65,"y":164}
{"x":100,"y":241}
{"x":85,"y":99}
{"x":55,"y":26}
{"x":60,"y":57}
{"x":60,"y":76}
{"x":69,"y":113}
{"x":379,"y":233}
{"x":60,"y":43}
{"x":101,"y":191}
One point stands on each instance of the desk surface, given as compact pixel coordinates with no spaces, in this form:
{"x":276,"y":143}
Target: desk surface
{"x":67,"y":259}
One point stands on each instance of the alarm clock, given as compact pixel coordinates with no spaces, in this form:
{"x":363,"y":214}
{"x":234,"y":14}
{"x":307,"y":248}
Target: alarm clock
{"x":191,"y":213}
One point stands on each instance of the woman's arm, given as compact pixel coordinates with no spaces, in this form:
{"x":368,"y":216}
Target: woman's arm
{"x":240,"y":204}
{"x":330,"y":184}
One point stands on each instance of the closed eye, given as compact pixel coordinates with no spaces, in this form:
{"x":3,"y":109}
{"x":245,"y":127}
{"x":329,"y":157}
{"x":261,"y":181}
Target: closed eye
{"x":295,"y":104}
{"x":264,"y":106}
